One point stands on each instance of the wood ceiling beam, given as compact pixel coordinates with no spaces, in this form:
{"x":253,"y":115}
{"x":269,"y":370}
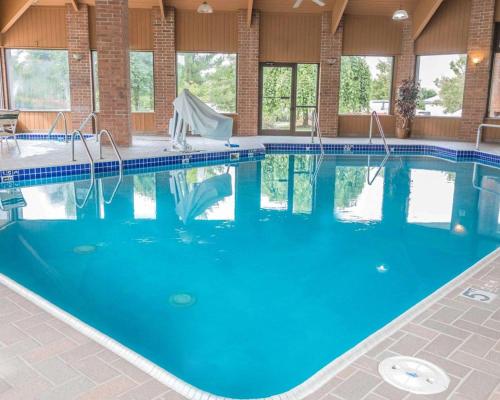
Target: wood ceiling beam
{"x":162,"y":9}
{"x":423,"y":13}
{"x":12,"y":11}
{"x":337,"y":12}
{"x":75,"y":4}
{"x":249,"y":12}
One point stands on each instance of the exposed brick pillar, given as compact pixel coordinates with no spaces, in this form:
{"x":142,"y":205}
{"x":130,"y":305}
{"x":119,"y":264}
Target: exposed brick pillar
{"x":80,"y":69}
{"x":405,"y":62}
{"x":248,"y":74}
{"x":475,"y":106}
{"x":329,"y":77}
{"x":164,"y":66}
{"x":114,"y":68}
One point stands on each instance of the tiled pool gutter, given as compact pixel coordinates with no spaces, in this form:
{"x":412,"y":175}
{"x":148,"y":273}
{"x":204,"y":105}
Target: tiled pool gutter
{"x":49,"y":174}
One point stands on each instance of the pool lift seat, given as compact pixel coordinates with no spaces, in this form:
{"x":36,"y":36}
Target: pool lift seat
{"x":190,"y":113}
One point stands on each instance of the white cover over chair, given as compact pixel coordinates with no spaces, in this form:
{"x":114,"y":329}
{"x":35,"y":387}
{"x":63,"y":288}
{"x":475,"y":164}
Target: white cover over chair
{"x":191,"y":112}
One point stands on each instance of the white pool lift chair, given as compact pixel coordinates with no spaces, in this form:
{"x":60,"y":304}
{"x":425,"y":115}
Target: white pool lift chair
{"x":190,"y":113}
{"x":8,"y":125}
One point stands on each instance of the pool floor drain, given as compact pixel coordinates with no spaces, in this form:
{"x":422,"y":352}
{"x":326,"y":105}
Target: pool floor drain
{"x":414,"y":375}
{"x":84,"y":249}
{"x":182,"y":299}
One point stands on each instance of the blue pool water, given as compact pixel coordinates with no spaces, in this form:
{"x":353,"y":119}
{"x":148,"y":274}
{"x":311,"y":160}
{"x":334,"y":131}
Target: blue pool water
{"x":245,"y":280}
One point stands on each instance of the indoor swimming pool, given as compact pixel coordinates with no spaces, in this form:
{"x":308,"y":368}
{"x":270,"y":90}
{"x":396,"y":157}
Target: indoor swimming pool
{"x":246,"y":279}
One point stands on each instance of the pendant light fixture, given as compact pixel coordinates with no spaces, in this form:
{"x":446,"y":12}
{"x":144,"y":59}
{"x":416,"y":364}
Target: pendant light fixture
{"x":205,"y":8}
{"x":400,"y":15}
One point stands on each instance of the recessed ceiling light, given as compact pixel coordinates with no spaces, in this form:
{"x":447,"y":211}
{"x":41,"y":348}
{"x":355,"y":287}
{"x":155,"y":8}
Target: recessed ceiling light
{"x":400,"y":15}
{"x":205,"y":8}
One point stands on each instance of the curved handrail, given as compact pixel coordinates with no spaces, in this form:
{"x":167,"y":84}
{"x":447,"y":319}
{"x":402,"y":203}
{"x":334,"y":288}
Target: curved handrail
{"x":120,"y":162}
{"x":54,"y":124}
{"x":480,"y":132}
{"x":113,"y":193}
{"x":92,"y":115}
{"x":382,"y":165}
{"x":375,"y":116}
{"x":92,"y":168}
{"x":316,"y":130}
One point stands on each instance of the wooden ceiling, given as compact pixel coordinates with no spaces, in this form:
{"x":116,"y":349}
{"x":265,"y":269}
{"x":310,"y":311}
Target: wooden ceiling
{"x":358,"y":7}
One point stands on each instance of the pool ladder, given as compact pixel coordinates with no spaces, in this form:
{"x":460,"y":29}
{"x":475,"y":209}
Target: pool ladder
{"x":316,"y":131}
{"x":59,"y":115}
{"x":105,"y":132}
{"x":374,"y":117}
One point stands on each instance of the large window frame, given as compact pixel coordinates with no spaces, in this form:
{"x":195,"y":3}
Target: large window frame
{"x":417,"y":78}
{"x":144,"y":111}
{"x":9,"y":94}
{"x":390,"y":107}
{"x":177,"y":75}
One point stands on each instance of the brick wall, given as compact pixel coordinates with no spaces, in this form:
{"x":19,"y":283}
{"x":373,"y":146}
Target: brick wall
{"x":80,"y":70}
{"x":405,"y":62}
{"x":248,"y":74}
{"x":114,"y":68}
{"x":475,"y":106}
{"x":329,"y":78}
{"x":164,"y":66}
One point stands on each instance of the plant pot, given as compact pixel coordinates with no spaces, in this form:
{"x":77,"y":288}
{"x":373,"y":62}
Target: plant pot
{"x":402,"y":133}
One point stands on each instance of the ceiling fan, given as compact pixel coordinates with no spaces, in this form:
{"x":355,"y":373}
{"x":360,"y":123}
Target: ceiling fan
{"x":299,"y":2}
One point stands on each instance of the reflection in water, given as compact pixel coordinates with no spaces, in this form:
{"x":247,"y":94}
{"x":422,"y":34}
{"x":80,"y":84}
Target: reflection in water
{"x":204,"y":193}
{"x":489,"y":206}
{"x":431,"y":198}
{"x":274,"y":187}
{"x":145,"y":196}
{"x":303,"y":184}
{"x":355,"y":199}
{"x":51,"y":202}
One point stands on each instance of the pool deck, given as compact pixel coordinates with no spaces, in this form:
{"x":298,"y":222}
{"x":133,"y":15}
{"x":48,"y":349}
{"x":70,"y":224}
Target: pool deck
{"x":43,"y":153}
{"x":42,"y":357}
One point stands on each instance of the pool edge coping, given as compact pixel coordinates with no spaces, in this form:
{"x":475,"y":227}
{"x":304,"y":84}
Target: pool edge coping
{"x":299,"y":392}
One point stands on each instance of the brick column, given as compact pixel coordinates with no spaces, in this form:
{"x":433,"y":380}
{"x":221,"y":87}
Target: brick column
{"x":475,"y":106}
{"x":114,"y":68}
{"x":248,"y":75}
{"x":405,"y":62}
{"x":80,"y":69}
{"x":164,"y":66}
{"x":329,"y":77}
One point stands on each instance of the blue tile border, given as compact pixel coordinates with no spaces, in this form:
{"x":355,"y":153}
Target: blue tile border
{"x":22,"y":177}
{"x":396,"y":149}
{"x":58,"y":137}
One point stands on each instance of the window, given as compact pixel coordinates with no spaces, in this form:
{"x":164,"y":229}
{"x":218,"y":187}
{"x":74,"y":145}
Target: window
{"x":274,"y":184}
{"x":442,"y":80}
{"x":365,"y":84}
{"x":145,"y":196}
{"x":495,"y":77}
{"x":1,"y":85}
{"x":95,"y":79}
{"x":141,"y":81}
{"x":38,"y":79}
{"x":210,"y":76}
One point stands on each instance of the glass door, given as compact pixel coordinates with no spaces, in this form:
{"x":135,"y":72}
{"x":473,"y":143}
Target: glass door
{"x":288,"y":97}
{"x":276,"y":106}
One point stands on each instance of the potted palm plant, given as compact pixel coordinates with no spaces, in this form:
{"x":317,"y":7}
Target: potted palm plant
{"x":406,"y":106}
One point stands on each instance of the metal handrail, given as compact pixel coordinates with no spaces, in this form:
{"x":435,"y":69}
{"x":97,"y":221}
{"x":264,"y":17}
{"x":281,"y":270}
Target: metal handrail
{"x":375,"y":116}
{"x":92,"y":169}
{"x":315,"y":129}
{"x":480,"y":132}
{"x":54,"y":124}
{"x":120,"y":163}
{"x":113,"y":193}
{"x":92,"y":115}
